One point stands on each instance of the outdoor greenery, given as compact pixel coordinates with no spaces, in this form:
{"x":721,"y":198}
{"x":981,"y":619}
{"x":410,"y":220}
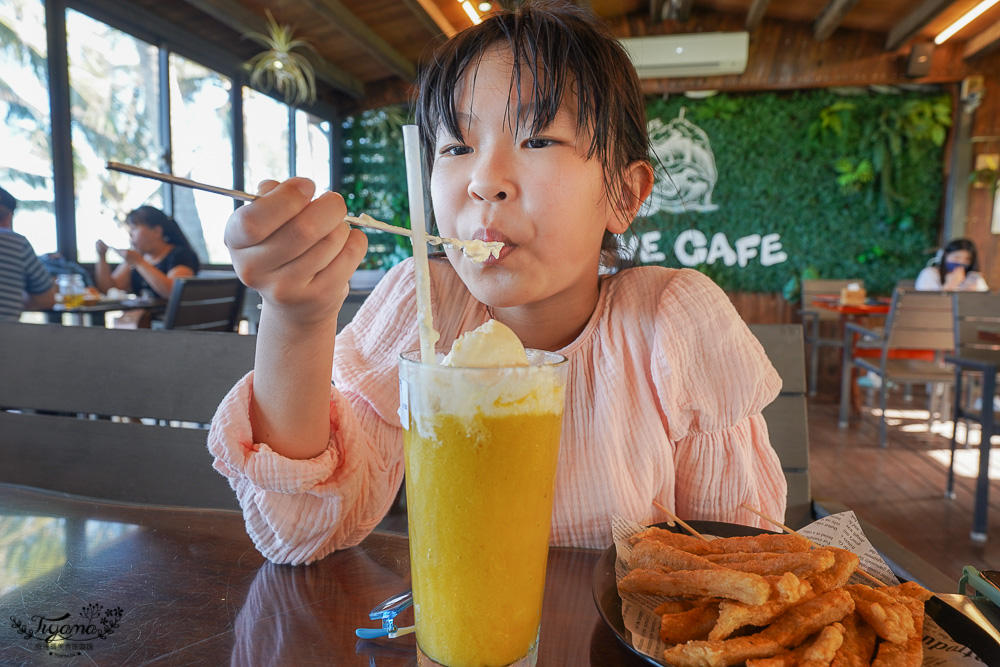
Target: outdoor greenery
{"x":374,"y":179}
{"x":852,"y":184}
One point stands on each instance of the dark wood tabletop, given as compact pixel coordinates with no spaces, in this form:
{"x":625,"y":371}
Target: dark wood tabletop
{"x":192,"y":590}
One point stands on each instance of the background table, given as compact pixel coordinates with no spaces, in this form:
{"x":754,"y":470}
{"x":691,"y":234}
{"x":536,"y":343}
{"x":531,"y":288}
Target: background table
{"x":88,"y":314}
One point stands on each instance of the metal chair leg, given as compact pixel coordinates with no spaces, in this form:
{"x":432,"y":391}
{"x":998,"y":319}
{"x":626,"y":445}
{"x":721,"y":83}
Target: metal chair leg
{"x":956,"y":412}
{"x":883,"y":440}
{"x":979,"y":513}
{"x":846,"y":364}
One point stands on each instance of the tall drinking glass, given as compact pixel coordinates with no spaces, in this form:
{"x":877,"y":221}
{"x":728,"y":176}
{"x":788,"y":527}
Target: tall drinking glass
{"x":481,"y":450}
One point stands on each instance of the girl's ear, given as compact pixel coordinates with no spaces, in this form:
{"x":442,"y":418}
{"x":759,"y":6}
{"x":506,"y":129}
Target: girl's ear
{"x":638,"y":183}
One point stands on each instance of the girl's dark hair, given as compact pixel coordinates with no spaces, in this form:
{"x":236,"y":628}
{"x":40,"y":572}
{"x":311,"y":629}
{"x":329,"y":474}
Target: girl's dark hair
{"x":953,"y":245}
{"x":149,"y":216}
{"x":567,"y":51}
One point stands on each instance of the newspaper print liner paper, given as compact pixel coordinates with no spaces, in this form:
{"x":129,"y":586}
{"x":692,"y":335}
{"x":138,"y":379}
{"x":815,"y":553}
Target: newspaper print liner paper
{"x":840,"y":530}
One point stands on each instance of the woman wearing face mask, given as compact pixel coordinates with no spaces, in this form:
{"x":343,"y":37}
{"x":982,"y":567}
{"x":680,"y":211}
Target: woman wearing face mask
{"x":955,"y":268}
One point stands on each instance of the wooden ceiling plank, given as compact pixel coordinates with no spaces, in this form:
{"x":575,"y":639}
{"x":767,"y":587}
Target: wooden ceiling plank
{"x":243,"y":21}
{"x":983,"y":43}
{"x":831,"y":17}
{"x":431,"y":16}
{"x":914,"y":22}
{"x":347,"y":23}
{"x":756,"y":14}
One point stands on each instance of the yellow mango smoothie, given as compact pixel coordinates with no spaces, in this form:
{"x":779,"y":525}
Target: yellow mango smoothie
{"x":481,"y":447}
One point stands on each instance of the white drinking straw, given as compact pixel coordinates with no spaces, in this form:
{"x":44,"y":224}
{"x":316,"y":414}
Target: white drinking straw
{"x":415,"y":190}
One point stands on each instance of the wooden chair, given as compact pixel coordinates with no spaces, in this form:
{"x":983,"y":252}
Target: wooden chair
{"x":919,"y":331}
{"x":787,"y":421}
{"x":205,"y":304}
{"x":813,"y":318}
{"x":65,"y":389}
{"x":977,"y":334}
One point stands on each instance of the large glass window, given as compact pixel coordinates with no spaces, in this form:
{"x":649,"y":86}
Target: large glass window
{"x":26,"y":153}
{"x":312,"y":149}
{"x":265,"y":124}
{"x":114,"y":98}
{"x":201,"y":136}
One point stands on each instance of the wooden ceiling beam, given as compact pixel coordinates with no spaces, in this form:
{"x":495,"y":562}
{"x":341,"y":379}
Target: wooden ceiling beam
{"x":756,"y":14}
{"x":431,"y":16}
{"x":679,"y":10}
{"x":348,"y":24}
{"x":914,"y":22}
{"x":242,"y":20}
{"x":983,"y":43}
{"x":831,"y":17}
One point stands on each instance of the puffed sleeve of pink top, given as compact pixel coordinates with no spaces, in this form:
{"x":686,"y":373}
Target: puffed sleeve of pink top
{"x":298,"y":511}
{"x":713,"y":379}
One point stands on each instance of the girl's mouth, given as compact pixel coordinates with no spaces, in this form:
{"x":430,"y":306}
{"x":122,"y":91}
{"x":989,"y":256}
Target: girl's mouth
{"x":487,"y":235}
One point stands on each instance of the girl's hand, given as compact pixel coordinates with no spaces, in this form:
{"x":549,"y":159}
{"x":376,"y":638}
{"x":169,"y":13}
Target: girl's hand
{"x":102,"y":249}
{"x":299,"y":254}
{"x":130,"y":256}
{"x":955,"y":278}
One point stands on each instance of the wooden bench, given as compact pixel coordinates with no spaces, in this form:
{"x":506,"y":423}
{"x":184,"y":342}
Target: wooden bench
{"x":64,"y":391}
{"x":787,"y":420}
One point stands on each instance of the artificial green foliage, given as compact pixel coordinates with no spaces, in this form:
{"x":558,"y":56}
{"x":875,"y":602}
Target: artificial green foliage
{"x":853,"y":186}
{"x":374,"y":180}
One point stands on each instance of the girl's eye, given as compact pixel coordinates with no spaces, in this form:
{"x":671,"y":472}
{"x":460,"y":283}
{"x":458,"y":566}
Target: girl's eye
{"x":536,"y":142}
{"x":455,"y":150}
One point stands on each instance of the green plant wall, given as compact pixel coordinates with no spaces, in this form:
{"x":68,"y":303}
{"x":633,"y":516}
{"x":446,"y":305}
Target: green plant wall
{"x":852,"y":184}
{"x":374,"y":179}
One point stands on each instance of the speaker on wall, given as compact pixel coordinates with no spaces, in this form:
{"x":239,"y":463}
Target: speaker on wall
{"x":920,"y":60}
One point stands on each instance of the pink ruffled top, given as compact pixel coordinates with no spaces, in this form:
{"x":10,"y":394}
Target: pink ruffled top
{"x":664,"y":396}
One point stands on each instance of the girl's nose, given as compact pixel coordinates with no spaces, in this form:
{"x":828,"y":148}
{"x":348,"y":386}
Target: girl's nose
{"x":490,"y":180}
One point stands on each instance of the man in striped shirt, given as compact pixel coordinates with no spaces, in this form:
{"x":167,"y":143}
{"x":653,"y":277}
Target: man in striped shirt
{"x":24,"y":282}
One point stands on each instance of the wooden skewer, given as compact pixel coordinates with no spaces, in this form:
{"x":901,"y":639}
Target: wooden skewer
{"x":814,"y":545}
{"x":364,"y":221}
{"x":674,"y":517}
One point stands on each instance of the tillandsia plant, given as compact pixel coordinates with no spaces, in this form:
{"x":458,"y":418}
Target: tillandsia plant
{"x":281,"y":67}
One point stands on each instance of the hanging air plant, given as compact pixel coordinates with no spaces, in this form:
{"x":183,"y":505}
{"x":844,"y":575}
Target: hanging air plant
{"x":281,"y":67}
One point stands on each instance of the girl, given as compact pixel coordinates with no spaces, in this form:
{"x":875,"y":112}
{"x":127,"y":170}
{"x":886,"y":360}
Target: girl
{"x":160,"y":253}
{"x":534,"y":132}
{"x":954,"y":268}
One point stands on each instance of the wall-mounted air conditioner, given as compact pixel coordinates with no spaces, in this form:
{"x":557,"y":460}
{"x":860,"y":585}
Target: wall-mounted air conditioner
{"x":695,"y":54}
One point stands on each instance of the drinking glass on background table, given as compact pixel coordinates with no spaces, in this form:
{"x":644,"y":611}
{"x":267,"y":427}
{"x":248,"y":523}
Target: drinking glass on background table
{"x":481,"y":447}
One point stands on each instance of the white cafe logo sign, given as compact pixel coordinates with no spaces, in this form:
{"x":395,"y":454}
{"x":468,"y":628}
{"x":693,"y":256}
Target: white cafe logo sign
{"x":685,"y":180}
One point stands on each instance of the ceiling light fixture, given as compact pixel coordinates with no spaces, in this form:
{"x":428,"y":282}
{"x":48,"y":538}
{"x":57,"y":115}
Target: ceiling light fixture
{"x":485,"y":6}
{"x":964,"y":21}
{"x":471,"y":11}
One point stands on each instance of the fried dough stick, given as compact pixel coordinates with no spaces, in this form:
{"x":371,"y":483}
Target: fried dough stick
{"x":689,"y":625}
{"x":691,"y":545}
{"x":721,"y":583}
{"x":818,"y":652}
{"x":858,"y":646}
{"x":892,"y":620}
{"x":801,"y":563}
{"x":787,"y":587}
{"x":676,"y":606}
{"x":735,"y":615}
{"x":771,"y":542}
{"x":788,"y":631}
{"x":845,"y":563}
{"x":911,"y":653}
{"x":651,"y":554}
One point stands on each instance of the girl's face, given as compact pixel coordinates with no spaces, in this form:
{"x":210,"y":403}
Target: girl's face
{"x":145,"y":239}
{"x":536,"y":193}
{"x":958,"y":257}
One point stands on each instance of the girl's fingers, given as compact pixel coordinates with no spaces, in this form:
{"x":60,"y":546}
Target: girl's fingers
{"x":266,"y":186}
{"x":252,"y":224}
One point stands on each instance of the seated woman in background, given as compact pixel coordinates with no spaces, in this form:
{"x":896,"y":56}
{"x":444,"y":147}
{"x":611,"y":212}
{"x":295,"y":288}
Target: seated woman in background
{"x":160,"y":253}
{"x":954,"y":268}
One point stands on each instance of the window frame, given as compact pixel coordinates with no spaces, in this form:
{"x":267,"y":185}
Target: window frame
{"x":168,"y":38}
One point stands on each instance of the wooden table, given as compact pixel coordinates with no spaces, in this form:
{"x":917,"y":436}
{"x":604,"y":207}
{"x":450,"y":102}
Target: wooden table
{"x":186,"y":587}
{"x":193,"y":590}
